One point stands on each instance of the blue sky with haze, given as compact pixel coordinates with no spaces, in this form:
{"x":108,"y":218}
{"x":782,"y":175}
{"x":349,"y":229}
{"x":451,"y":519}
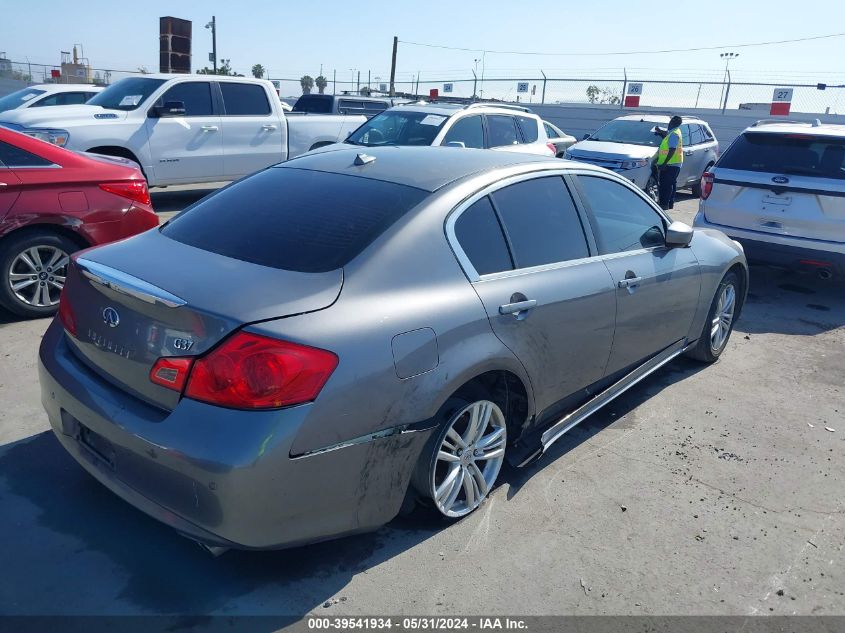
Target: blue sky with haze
{"x":294,"y":38}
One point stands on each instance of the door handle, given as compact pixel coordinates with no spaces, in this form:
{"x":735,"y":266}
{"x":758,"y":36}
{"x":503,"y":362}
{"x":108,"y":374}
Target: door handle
{"x":628,"y":282}
{"x":209,"y":128}
{"x":269,"y":127}
{"x":688,"y":152}
{"x":518,"y":307}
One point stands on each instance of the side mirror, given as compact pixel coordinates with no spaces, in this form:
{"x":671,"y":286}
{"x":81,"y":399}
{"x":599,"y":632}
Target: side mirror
{"x":585,"y":137}
{"x":460,"y":144}
{"x":678,"y":235}
{"x":169,"y":109}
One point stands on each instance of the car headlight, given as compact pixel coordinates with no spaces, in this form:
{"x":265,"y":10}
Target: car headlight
{"x":56,"y":137}
{"x":634,"y":164}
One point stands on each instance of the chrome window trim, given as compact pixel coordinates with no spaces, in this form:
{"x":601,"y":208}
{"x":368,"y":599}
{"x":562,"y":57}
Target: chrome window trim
{"x":472,"y":273}
{"x":50,"y":166}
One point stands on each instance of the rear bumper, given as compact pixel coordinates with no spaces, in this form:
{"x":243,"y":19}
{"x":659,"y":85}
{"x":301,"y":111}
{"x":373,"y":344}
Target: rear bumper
{"x":783,"y":250}
{"x":219,"y":476}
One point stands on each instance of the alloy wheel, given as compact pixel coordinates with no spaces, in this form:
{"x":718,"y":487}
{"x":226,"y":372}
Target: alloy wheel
{"x":652,"y":190}
{"x":469,"y":458}
{"x":37,"y":275}
{"x":723,"y":317}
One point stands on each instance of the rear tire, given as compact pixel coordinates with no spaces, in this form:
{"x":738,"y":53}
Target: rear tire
{"x":33,"y":267}
{"x":460,"y":463}
{"x":720,"y":321}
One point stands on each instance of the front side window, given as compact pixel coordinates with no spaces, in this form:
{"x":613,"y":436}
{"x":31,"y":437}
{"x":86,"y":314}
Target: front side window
{"x":541,"y":222}
{"x":530,"y":132}
{"x":11,"y":156}
{"x":685,"y":135}
{"x":195,"y":95}
{"x":480,"y":236}
{"x":550,"y":131}
{"x":244,"y":99}
{"x":501,"y":130}
{"x":622,"y":220}
{"x":399,"y":127}
{"x":468,"y":130}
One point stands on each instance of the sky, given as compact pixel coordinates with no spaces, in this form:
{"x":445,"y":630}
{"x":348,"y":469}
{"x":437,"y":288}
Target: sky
{"x":295,"y":38}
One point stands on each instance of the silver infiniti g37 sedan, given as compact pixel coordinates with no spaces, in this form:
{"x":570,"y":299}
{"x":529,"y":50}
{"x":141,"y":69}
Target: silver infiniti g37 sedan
{"x":297,"y":355}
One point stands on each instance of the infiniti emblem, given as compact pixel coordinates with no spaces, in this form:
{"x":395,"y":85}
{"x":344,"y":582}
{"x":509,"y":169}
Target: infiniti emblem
{"x":781,"y":180}
{"x":111,"y":317}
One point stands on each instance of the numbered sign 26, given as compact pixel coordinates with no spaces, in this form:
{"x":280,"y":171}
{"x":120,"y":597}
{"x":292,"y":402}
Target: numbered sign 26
{"x":522,"y":86}
{"x":632,"y":95}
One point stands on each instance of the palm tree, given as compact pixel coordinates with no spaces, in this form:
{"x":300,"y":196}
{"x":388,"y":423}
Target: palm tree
{"x":258,"y":71}
{"x":307,"y":82}
{"x":321,"y":83}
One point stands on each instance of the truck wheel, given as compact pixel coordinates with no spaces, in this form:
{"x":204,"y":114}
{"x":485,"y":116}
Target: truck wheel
{"x":34,"y":267}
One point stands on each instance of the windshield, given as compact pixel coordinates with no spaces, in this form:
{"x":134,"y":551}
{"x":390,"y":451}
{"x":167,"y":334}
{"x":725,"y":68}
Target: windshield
{"x":628,"y":131}
{"x":799,"y":154}
{"x":398,"y":127}
{"x":126,"y":94}
{"x":17,"y":99}
{"x":315,"y":104}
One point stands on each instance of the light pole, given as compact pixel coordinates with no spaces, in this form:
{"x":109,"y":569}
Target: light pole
{"x":727,"y":57}
{"x":213,"y":26}
{"x":352,"y":80}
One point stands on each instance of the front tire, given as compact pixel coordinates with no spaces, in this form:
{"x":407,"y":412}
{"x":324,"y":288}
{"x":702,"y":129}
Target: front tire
{"x":33,"y":267}
{"x":461,"y":462}
{"x":720,"y":321}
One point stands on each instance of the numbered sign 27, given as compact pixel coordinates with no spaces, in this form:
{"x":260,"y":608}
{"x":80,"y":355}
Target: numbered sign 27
{"x":781,"y":101}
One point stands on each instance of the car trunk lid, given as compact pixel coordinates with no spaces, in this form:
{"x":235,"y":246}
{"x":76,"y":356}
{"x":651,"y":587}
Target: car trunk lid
{"x":136,"y":301}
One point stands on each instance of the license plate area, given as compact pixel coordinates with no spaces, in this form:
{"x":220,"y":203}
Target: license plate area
{"x":94,"y":443}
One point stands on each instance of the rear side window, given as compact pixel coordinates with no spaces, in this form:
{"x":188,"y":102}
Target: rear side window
{"x":549,"y":131}
{"x":468,"y":130}
{"x":541,"y":222}
{"x":244,"y":99}
{"x":799,"y":154}
{"x":480,"y":236}
{"x":294,"y":219}
{"x":315,"y":104}
{"x":696,"y":135}
{"x":501,"y":130}
{"x":196,"y":95}
{"x":63,"y":98}
{"x":11,"y":156}
{"x":529,"y":128}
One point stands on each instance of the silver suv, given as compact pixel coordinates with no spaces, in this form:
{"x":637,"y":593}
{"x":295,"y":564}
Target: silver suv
{"x":628,"y":145}
{"x":779,"y":190}
{"x":476,"y":125}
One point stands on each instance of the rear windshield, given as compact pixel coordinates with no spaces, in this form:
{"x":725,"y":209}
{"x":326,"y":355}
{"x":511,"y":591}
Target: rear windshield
{"x":294,"y":219}
{"x":315,"y":104}
{"x":800,"y":154}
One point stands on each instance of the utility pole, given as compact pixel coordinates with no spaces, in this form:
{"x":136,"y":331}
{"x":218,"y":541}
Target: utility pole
{"x":213,"y":26}
{"x":393,"y":66}
{"x":368,"y":82}
{"x":334,"y":82}
{"x":358,"y":84}
{"x":727,"y":57}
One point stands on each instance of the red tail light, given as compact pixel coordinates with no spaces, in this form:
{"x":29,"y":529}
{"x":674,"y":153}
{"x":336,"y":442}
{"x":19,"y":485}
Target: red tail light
{"x":252,"y":372}
{"x":552,"y":147}
{"x":66,"y":316}
{"x":171,"y":372}
{"x":135,"y":190}
{"x":706,"y":184}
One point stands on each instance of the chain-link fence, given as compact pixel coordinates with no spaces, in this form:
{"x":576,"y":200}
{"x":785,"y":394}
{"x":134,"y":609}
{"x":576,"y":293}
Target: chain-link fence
{"x":536,"y":88}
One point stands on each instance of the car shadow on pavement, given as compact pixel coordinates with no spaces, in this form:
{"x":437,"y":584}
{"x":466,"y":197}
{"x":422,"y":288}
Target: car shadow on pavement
{"x":615,"y":413}
{"x":791,"y":302}
{"x":76,"y":548}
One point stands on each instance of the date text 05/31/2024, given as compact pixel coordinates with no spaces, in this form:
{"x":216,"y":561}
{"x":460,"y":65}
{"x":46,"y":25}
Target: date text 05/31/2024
{"x":415,"y":624}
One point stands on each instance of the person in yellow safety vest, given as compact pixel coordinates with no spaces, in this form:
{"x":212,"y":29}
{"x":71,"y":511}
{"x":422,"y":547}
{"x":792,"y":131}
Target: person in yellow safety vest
{"x":670,"y":157}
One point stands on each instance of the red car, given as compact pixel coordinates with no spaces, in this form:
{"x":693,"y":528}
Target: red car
{"x":54,"y":202}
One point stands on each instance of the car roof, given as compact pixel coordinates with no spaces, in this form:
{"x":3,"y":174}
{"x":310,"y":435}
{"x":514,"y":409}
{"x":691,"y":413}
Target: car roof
{"x":199,"y":77}
{"x":423,"y":167}
{"x":66,"y":87}
{"x":796,"y":127}
{"x":449,"y":109}
{"x":658,"y":118}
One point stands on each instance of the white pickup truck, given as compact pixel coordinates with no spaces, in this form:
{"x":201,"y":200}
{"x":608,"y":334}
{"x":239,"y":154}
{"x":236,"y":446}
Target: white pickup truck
{"x":185,"y":128}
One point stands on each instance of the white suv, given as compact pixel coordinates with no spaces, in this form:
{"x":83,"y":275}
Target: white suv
{"x":43,"y":95}
{"x":477,"y":125}
{"x":779,"y":190}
